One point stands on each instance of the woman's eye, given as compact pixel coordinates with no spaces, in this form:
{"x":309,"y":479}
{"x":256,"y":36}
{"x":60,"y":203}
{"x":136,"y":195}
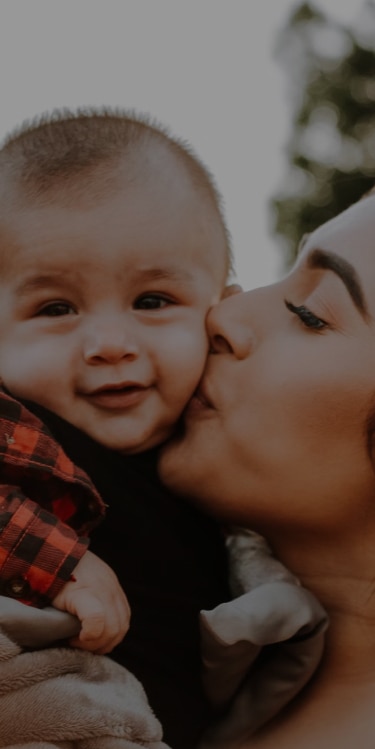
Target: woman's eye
{"x":152,"y":301}
{"x":56,"y":309}
{"x":307,"y":317}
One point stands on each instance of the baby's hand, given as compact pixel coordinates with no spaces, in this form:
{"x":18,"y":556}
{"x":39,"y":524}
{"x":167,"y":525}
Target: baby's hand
{"x":97,"y":599}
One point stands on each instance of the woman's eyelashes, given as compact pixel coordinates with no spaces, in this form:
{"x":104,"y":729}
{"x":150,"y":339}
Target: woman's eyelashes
{"x":308,"y":319}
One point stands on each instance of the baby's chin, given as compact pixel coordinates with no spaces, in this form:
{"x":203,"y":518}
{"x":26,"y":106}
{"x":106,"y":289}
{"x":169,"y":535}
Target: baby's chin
{"x":157,"y":439}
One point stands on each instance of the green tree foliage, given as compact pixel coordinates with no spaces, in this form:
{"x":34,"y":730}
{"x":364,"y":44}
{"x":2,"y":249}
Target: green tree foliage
{"x":331,"y":153}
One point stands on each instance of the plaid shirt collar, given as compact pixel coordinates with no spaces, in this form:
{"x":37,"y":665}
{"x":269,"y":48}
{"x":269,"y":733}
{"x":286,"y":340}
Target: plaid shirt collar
{"x":27,"y":444}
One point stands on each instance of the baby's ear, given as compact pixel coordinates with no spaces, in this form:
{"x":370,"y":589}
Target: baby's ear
{"x":231,"y":289}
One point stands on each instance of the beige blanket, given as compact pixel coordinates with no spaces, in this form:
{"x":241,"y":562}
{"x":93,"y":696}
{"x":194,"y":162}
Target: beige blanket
{"x":64,"y":698}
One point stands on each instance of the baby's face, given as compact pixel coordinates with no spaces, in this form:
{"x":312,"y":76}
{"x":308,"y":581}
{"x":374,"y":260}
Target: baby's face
{"x":103,"y":307}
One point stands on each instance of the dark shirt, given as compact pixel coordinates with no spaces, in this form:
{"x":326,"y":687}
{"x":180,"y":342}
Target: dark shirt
{"x":171,"y":562}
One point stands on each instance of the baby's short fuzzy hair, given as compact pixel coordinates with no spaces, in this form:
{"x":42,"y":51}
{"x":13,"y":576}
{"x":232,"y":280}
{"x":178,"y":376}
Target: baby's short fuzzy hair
{"x":64,"y":147}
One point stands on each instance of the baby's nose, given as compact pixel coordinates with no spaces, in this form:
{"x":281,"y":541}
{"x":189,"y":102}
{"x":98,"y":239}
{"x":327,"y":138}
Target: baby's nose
{"x":109,"y":341}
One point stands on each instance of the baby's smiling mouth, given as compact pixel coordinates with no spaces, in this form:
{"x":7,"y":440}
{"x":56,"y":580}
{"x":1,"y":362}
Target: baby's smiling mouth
{"x":118,"y":395}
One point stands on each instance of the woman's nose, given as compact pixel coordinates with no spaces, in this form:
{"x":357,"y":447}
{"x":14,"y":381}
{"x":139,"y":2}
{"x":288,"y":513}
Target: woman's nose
{"x":229,"y":328}
{"x":109,"y":341}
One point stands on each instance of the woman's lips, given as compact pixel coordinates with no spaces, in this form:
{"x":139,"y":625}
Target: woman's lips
{"x":118,"y":397}
{"x":199,"y":402}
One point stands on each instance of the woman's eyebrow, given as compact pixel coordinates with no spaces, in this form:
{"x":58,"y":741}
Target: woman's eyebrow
{"x":346,"y":272}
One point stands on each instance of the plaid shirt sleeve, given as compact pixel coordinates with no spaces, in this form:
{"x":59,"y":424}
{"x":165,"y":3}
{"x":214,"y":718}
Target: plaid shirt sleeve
{"x":47,"y":508}
{"x":38,"y":552}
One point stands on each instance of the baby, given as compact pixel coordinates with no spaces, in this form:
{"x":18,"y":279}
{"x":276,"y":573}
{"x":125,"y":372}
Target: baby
{"x":113,"y":247}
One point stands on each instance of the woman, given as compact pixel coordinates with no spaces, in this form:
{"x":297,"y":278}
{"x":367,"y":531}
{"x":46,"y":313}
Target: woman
{"x":281,"y":438}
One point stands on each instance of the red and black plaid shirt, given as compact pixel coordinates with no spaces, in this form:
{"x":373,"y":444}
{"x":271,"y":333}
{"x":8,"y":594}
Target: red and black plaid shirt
{"x":47,"y":508}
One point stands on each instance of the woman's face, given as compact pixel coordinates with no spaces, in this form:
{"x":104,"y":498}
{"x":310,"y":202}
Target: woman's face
{"x":278,"y":430}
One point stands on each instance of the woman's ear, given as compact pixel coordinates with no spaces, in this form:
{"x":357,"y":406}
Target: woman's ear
{"x":231,"y":289}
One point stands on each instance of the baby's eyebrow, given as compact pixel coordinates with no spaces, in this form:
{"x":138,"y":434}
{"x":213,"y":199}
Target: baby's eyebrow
{"x":35,"y":283}
{"x":62,"y":279}
{"x":166,"y":274}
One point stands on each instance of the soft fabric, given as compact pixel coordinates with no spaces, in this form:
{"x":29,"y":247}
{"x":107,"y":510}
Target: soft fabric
{"x":30,"y":627}
{"x":261,"y":648}
{"x":64,"y":697}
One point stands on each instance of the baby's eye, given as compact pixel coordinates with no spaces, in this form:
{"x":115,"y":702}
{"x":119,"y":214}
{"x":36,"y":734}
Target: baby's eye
{"x":56,"y":309}
{"x":152,"y":301}
{"x":308,"y":319}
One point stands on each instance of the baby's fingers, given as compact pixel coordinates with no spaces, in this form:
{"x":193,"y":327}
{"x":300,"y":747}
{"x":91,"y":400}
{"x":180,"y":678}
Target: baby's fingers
{"x":116,"y":628}
{"x":92,"y":616}
{"x":101,"y":631}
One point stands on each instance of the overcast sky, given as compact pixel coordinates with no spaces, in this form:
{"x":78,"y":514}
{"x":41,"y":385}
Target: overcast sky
{"x":205,"y":68}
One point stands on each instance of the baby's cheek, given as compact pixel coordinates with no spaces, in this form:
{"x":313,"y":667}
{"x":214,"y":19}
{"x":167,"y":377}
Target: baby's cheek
{"x":23,"y":371}
{"x":195,"y":356}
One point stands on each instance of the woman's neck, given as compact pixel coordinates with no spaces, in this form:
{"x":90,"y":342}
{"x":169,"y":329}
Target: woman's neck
{"x":336,"y":708}
{"x":341,"y":574}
